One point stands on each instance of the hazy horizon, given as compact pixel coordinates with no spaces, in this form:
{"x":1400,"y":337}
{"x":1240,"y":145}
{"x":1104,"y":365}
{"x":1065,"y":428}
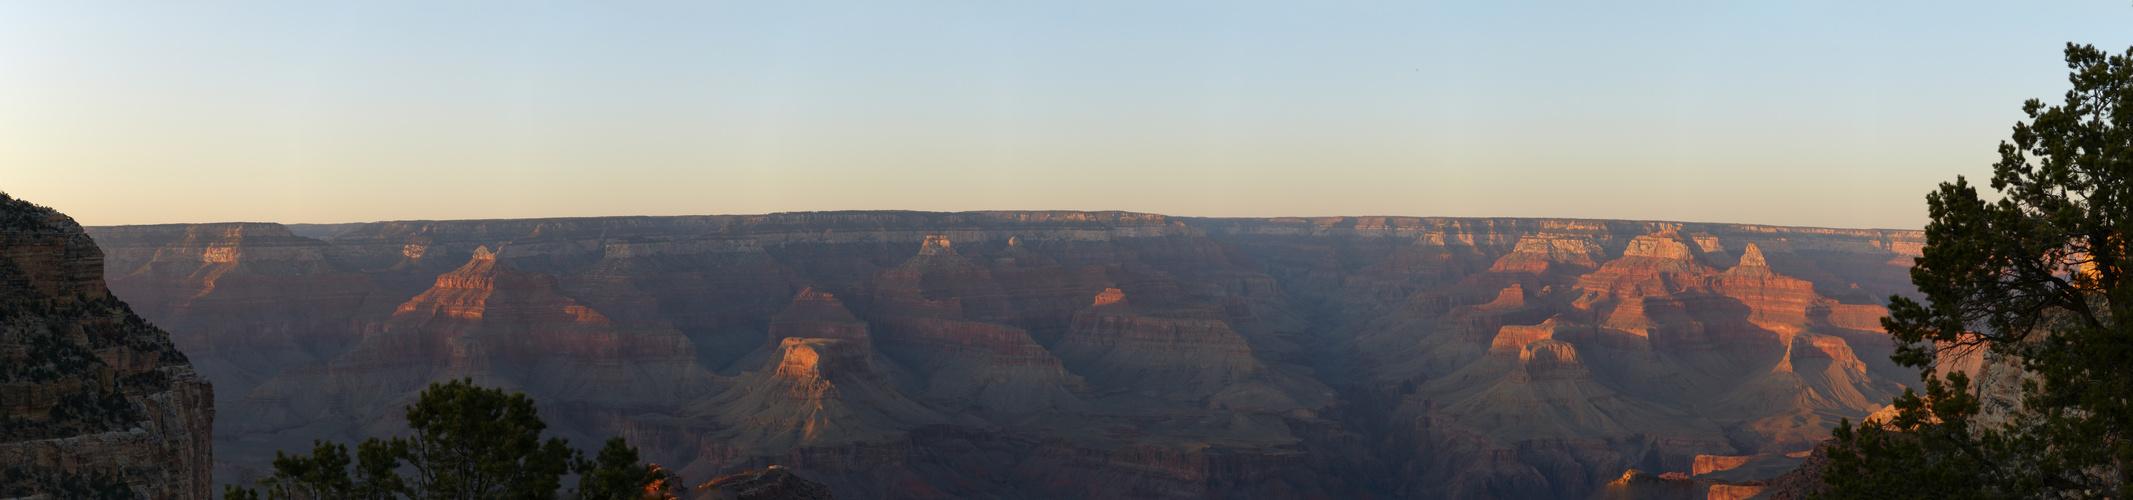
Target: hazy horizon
{"x":1814,"y":114}
{"x":433,"y":219}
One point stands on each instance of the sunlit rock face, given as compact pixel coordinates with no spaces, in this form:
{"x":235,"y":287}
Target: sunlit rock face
{"x":92,"y":398}
{"x":1061,"y":354}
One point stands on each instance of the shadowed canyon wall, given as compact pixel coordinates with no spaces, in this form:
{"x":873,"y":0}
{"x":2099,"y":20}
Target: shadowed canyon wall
{"x":94,"y":401}
{"x":1054,"y":354}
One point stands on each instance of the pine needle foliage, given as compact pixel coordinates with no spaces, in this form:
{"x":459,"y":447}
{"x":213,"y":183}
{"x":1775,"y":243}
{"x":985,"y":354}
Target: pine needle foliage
{"x":2038,"y":275}
{"x":469,"y":442}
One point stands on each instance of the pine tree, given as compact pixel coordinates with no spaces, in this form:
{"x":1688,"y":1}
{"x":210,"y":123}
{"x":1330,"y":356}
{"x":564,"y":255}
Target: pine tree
{"x":2037,"y":275}
{"x":469,"y":442}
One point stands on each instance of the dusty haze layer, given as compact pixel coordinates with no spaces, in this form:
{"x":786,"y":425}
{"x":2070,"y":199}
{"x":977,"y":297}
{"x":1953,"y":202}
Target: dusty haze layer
{"x":1056,"y":354}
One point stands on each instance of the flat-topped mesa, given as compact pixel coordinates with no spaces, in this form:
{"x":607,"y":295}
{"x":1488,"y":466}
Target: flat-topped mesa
{"x":1110,"y":297}
{"x":817,"y":314}
{"x":1514,"y":338}
{"x":1542,"y":254}
{"x":1511,"y":297}
{"x":807,"y":361}
{"x":1659,"y":245}
{"x":1653,"y":264}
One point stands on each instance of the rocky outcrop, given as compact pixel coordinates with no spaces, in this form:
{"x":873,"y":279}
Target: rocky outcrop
{"x":1073,"y":354}
{"x":818,"y":393}
{"x":1640,"y":485}
{"x":768,"y":483}
{"x":1802,"y":482}
{"x":1748,"y":467}
{"x":94,"y":401}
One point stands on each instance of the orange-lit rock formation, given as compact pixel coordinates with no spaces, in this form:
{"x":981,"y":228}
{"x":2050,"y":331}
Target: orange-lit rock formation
{"x":817,"y":393}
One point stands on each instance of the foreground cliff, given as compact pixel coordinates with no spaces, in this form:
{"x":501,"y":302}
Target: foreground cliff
{"x":1058,"y":354}
{"x":94,"y":401}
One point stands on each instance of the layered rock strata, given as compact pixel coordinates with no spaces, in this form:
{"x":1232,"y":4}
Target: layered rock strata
{"x":819,"y":392}
{"x":94,"y":401}
{"x":490,"y":322}
{"x":1072,"y":354}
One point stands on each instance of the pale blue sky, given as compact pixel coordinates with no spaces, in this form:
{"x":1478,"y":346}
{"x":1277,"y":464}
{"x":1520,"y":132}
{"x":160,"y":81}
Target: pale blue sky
{"x":1780,"y":112}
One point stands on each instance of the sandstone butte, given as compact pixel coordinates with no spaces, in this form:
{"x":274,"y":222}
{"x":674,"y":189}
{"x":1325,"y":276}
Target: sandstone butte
{"x":1061,"y":354}
{"x":94,"y":401}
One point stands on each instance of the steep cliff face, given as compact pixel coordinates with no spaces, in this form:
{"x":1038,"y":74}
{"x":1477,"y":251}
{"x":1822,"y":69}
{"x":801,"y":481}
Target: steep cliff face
{"x":94,"y":401}
{"x":1065,"y":354}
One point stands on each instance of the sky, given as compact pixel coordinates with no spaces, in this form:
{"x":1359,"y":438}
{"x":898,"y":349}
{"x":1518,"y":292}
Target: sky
{"x":1807,"y":113}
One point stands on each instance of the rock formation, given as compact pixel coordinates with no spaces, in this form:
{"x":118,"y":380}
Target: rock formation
{"x":818,"y":393}
{"x":768,"y":483}
{"x":94,"y":401}
{"x":947,"y":318}
{"x":488,"y":321}
{"x":1064,"y":354}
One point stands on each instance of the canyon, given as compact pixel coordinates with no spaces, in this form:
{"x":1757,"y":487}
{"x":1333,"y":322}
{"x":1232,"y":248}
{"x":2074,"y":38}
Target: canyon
{"x":1056,"y":354}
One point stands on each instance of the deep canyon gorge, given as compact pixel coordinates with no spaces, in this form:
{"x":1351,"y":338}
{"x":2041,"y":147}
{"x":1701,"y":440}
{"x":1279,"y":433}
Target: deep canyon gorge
{"x":1054,"y":354}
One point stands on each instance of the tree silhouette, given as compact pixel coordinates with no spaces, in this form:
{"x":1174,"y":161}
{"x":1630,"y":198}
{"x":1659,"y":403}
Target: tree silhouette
{"x":469,"y":442}
{"x":2038,"y":275}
